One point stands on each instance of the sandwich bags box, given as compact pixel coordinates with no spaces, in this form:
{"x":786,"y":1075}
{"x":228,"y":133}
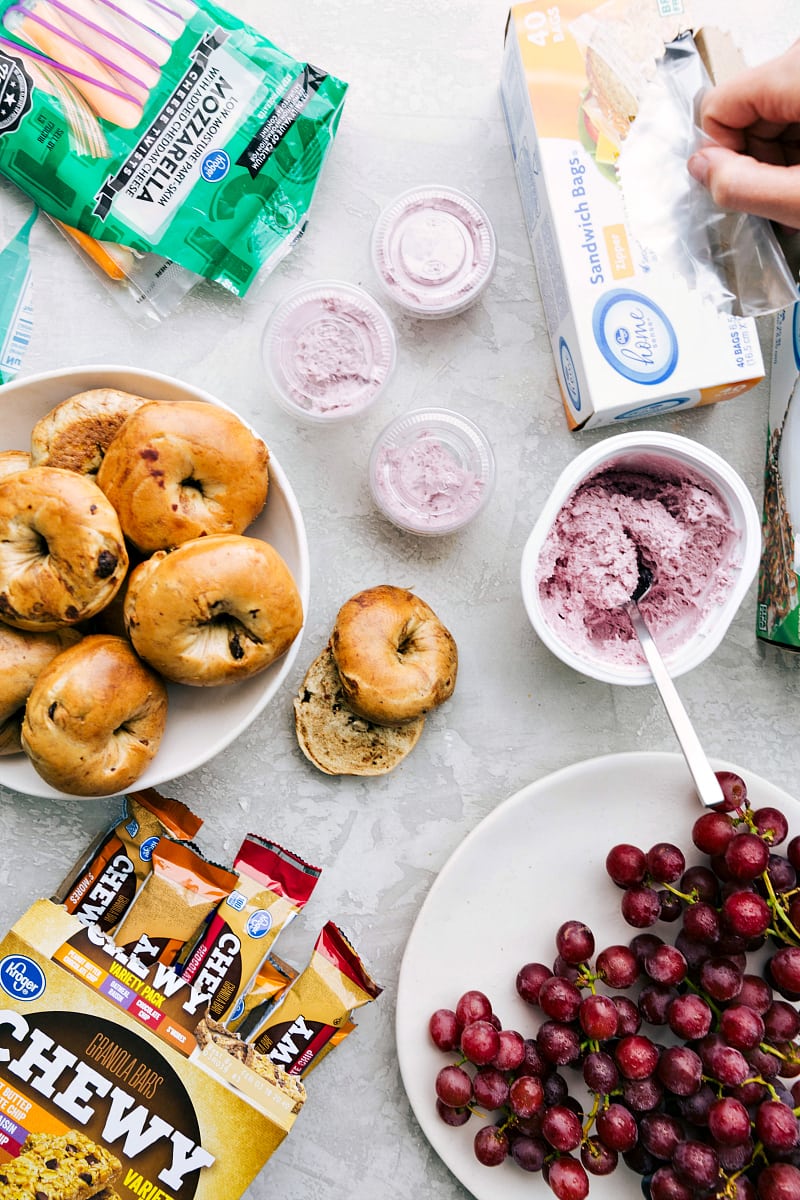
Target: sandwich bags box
{"x":629,"y":340}
{"x":107,"y":1086}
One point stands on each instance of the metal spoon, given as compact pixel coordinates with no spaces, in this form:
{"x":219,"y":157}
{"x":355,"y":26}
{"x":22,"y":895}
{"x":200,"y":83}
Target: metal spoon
{"x":705,"y":781}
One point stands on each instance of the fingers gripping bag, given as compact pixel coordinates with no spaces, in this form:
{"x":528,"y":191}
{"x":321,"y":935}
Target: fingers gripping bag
{"x":165,"y":127}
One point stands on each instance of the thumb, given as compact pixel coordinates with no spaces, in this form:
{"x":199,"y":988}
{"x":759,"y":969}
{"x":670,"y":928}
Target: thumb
{"x":740,"y":183}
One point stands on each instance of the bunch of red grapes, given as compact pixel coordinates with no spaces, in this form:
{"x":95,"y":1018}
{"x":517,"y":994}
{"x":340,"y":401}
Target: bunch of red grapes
{"x":686,"y":1044}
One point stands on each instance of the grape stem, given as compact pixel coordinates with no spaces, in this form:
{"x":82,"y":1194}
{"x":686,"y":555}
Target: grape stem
{"x":779,"y":911}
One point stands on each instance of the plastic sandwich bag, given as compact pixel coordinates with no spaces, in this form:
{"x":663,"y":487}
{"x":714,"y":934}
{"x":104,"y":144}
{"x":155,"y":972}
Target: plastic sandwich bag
{"x":169,"y":140}
{"x":733,"y":260}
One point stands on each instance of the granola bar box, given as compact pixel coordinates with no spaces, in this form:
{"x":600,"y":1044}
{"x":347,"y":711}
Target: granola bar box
{"x":107,"y":1084}
{"x":778,"y":611}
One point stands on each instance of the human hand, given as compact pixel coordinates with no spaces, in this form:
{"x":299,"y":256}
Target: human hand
{"x":753,"y":119}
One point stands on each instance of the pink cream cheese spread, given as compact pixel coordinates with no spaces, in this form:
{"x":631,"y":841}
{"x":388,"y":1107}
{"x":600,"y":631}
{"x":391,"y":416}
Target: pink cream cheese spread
{"x":434,"y":251}
{"x":329,"y":349}
{"x":679,"y":526}
{"x":431,"y":471}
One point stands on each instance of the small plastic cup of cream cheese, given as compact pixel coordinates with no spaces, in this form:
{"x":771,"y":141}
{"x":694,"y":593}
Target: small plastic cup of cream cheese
{"x":431,"y":471}
{"x":434,"y":251}
{"x":329,"y":351}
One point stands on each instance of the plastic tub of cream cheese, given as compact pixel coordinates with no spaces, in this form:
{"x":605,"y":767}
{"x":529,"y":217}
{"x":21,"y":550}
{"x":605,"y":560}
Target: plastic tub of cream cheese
{"x":431,"y":471}
{"x":329,"y":351}
{"x":434,"y":251}
{"x":653,"y":498}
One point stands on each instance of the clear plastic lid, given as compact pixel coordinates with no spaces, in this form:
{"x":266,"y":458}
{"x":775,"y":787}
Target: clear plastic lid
{"x":328,"y":350}
{"x":431,"y":471}
{"x":434,"y":251}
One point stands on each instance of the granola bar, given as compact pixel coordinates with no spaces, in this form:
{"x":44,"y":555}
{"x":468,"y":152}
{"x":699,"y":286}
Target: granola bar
{"x":66,"y":1167}
{"x":210,"y":1030}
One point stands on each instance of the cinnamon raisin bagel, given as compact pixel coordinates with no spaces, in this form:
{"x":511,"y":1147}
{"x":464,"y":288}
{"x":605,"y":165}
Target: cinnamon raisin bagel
{"x":95,"y":718}
{"x":76,"y":433}
{"x":337,"y":740}
{"x":62,"y":553}
{"x":215,"y":610}
{"x":395,"y":658}
{"x":178,"y":470}
{"x":23,"y":656}
{"x":12,"y":461}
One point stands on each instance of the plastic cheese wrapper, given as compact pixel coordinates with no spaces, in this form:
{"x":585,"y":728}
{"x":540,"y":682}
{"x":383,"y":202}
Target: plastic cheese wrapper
{"x":273,"y":886}
{"x":163,"y":129}
{"x":318,"y":1006}
{"x":101,"y":890}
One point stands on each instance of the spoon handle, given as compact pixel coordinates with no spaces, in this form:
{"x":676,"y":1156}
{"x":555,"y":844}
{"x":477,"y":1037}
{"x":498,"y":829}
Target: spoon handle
{"x":705,"y":781}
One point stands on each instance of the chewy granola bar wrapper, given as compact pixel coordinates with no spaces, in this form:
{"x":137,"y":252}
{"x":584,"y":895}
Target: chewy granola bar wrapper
{"x":273,"y":886}
{"x":119,"y":863}
{"x":318,"y":1006}
{"x":273,"y":978}
{"x":172,"y":906}
{"x":172,"y":129}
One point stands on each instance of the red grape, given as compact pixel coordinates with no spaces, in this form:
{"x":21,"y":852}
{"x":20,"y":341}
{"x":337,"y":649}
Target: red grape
{"x":454,"y":1086}
{"x":575,"y":942}
{"x":530,"y":979}
{"x":480,"y":1043}
{"x":473,"y":1006}
{"x":729,"y":1121}
{"x":626,"y":864}
{"x":562,"y":1128}
{"x":491,"y":1146}
{"x":617,"y":1128}
{"x":444,"y":1029}
{"x":567,"y":1179}
{"x":512,"y":1050}
{"x":526,"y":1096}
{"x":617,"y":966}
{"x":597,"y":1158}
{"x":451,"y":1116}
{"x":734,"y":791}
{"x":712,"y":831}
{"x":490,"y":1088}
{"x":665,"y":862}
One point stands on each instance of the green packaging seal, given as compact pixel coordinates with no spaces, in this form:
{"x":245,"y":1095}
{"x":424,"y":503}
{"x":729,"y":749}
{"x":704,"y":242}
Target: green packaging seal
{"x":210,"y":157}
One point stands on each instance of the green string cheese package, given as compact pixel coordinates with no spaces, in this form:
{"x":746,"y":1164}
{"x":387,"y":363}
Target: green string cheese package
{"x":167,"y":128}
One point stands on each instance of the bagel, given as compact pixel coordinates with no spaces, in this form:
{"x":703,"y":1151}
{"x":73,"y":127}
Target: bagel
{"x":395,"y":658}
{"x":95,"y":718}
{"x":23,"y":656}
{"x":62,"y":553}
{"x":337,"y":740}
{"x":76,"y":433}
{"x":13,"y":461}
{"x":215,"y":610}
{"x":181,"y":470}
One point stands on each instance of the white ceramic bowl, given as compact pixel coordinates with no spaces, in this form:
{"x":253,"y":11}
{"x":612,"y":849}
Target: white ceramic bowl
{"x":630,"y":449}
{"x":201,"y":721}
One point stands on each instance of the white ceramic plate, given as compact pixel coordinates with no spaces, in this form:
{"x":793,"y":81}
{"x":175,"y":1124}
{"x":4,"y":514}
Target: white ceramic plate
{"x":537,"y":860}
{"x":201,"y":721}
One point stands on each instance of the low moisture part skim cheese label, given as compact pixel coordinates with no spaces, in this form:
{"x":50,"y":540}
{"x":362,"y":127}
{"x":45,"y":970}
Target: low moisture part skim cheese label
{"x":185,"y":144}
{"x":635,"y":336}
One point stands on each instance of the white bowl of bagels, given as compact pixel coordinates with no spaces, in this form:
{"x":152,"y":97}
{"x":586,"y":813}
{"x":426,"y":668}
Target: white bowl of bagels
{"x":201,"y":720}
